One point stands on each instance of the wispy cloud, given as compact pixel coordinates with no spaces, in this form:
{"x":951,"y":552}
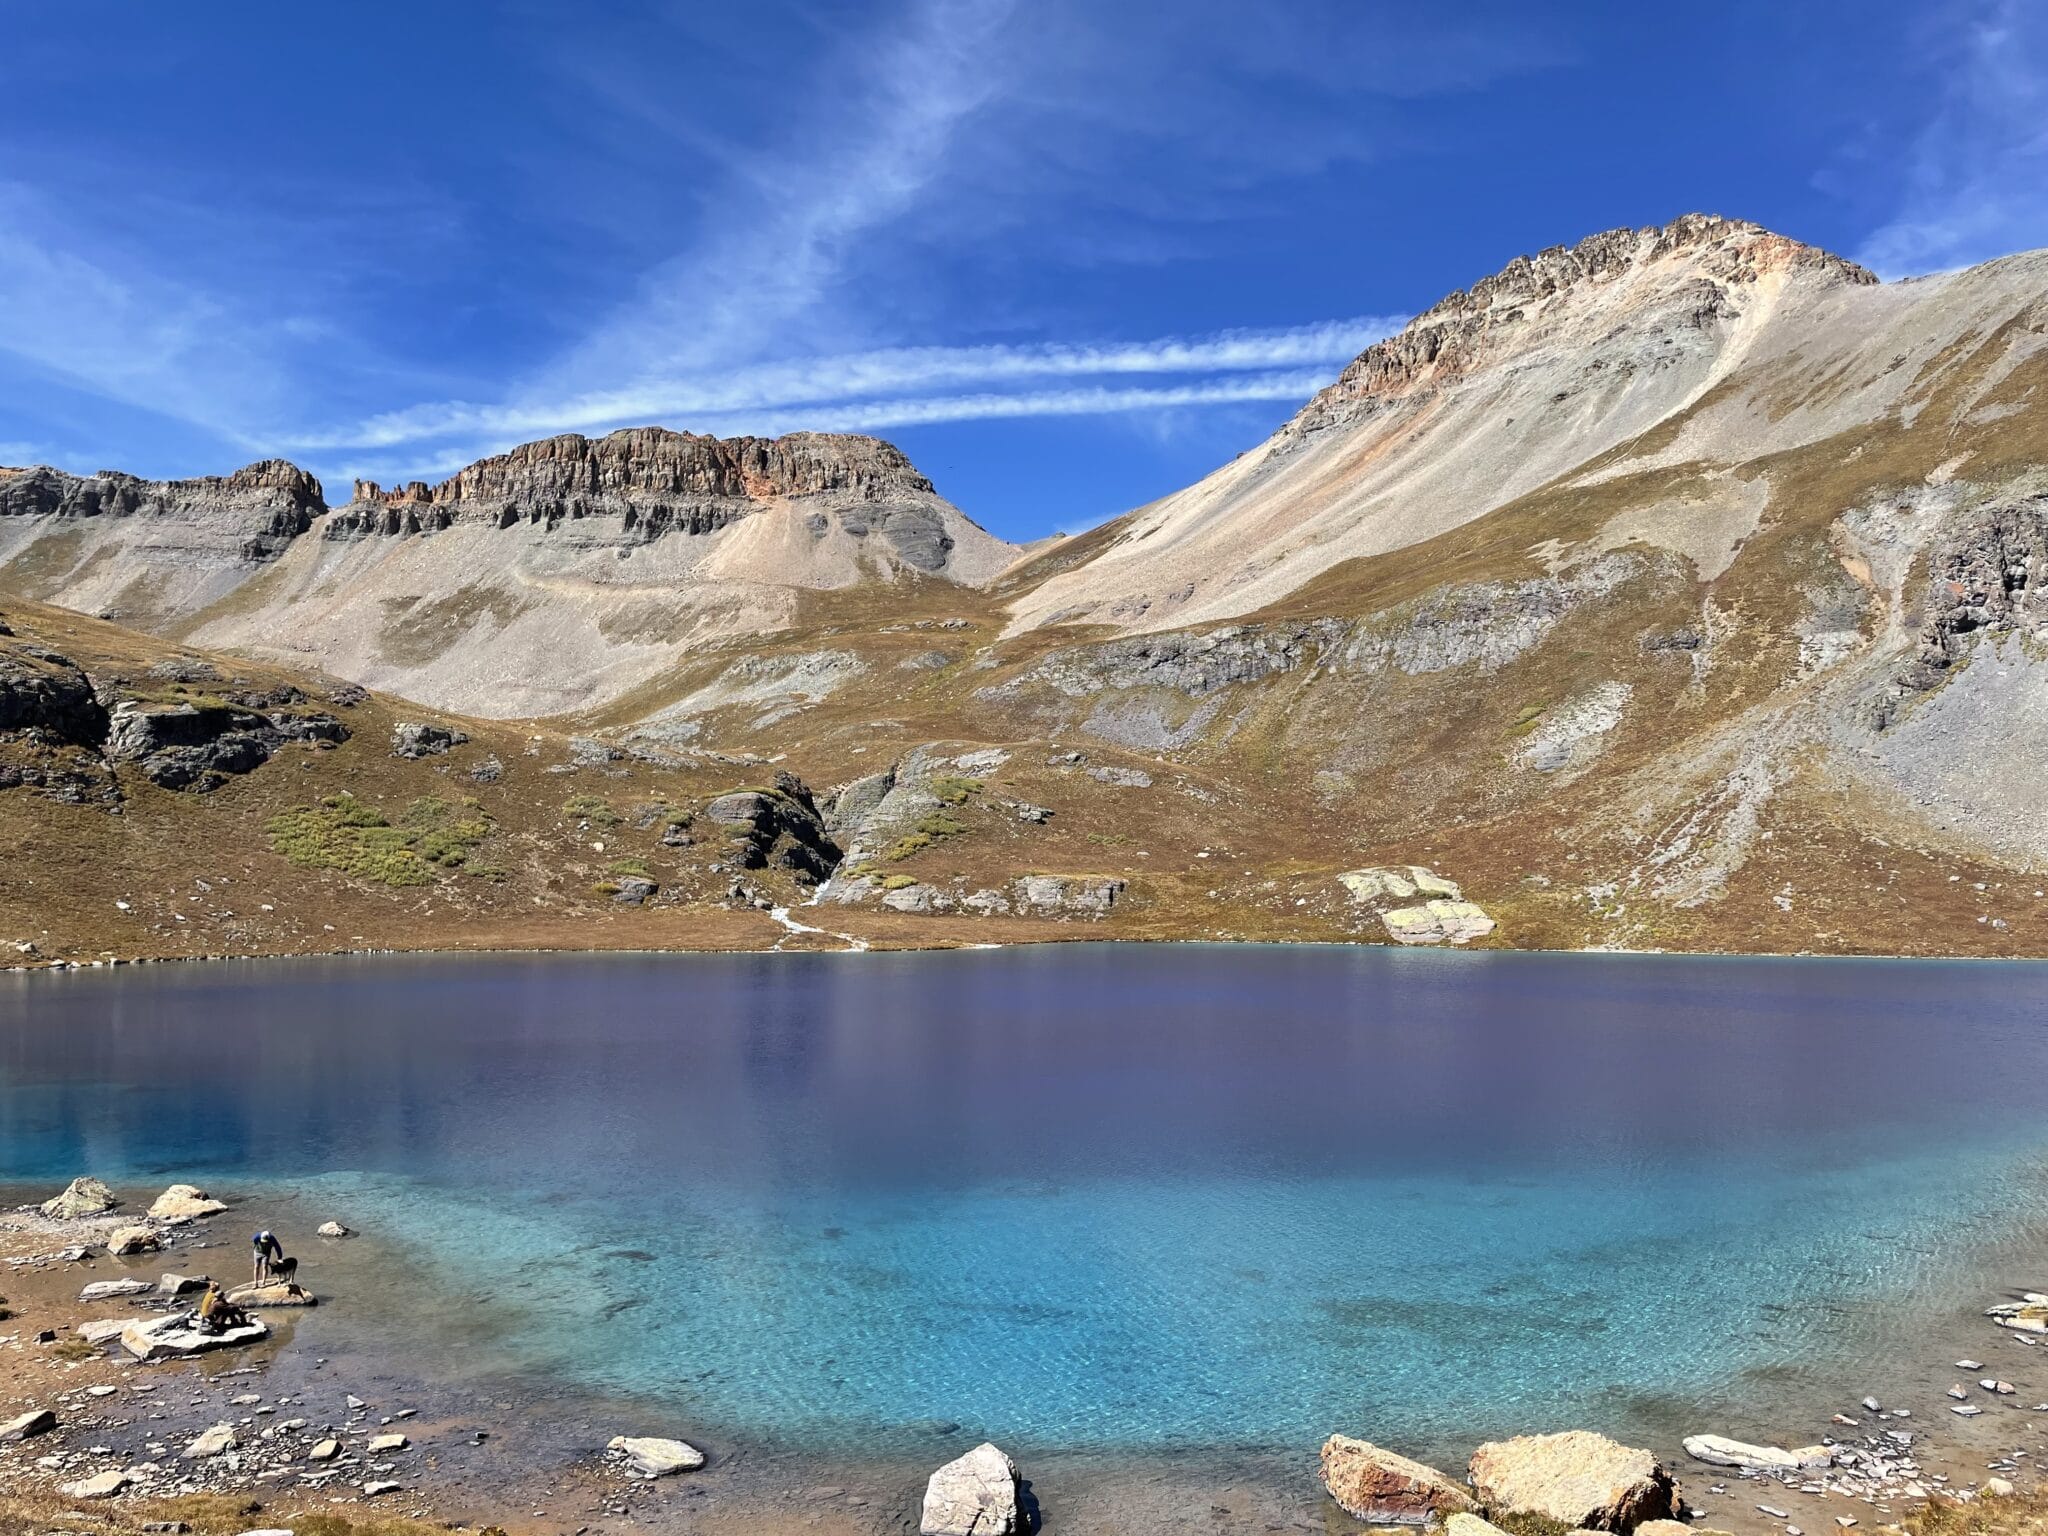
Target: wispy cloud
{"x":872,"y":415}
{"x":116,"y":328}
{"x":1977,"y":177}
{"x":818,"y":391}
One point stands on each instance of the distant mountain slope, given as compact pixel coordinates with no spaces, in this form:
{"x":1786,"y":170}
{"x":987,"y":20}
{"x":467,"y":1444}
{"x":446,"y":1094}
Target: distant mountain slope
{"x":1683,"y":589}
{"x":542,"y":580}
{"x":1573,"y":356}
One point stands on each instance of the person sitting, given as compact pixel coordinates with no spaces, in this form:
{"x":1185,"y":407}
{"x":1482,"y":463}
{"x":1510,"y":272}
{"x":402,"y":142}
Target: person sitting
{"x":217,"y":1314}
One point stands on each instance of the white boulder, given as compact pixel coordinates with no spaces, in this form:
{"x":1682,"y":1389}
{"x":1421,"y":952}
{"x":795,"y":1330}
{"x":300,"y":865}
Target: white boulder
{"x":975,"y":1495}
{"x":184,"y":1202}
{"x":654,"y":1457}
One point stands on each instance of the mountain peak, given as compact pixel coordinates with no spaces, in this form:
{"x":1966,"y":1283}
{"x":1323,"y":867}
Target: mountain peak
{"x":1688,"y":270}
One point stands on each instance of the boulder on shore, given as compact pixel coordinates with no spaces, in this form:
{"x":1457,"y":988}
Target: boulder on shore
{"x":654,"y":1457}
{"x":1437,"y":922}
{"x":41,"y":1421}
{"x":81,"y":1197}
{"x":975,"y":1495}
{"x":175,"y":1337}
{"x":1471,"y":1525}
{"x":109,"y":1290}
{"x":1719,"y":1451}
{"x":185,"y":1202}
{"x":217,"y":1441}
{"x":126,"y":1240}
{"x":1581,"y":1480}
{"x":178,"y":1285}
{"x":1385,"y":1488}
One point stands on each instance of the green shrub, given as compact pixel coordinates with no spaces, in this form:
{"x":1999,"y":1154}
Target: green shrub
{"x":934,"y":828}
{"x":629,"y":867}
{"x":954,"y":788}
{"x":344,"y":834}
{"x":899,"y":882}
{"x":591,"y":809}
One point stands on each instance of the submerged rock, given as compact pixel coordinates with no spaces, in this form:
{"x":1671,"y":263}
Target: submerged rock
{"x":334,"y":1229}
{"x":651,"y":1456}
{"x":81,"y":1197}
{"x":1385,"y":1488}
{"x":1579,"y":1479}
{"x":975,"y":1495}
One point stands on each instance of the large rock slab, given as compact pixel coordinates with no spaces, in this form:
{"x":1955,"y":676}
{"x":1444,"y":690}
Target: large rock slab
{"x":184,"y":1202}
{"x":1471,"y":1525}
{"x":975,"y":1495}
{"x":1385,"y":1488}
{"x":1391,"y":883}
{"x":81,"y":1197}
{"x":651,"y":1456}
{"x":108,"y":1290}
{"x":273,"y":1293}
{"x":1437,"y":922}
{"x":1719,"y":1451}
{"x":1581,"y":1480}
{"x":174,"y":1338}
{"x":103,"y":1486}
{"x":107,"y":1328}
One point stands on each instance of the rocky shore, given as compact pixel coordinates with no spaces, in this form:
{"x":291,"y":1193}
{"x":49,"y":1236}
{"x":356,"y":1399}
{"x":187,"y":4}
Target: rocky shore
{"x":110,"y":1400}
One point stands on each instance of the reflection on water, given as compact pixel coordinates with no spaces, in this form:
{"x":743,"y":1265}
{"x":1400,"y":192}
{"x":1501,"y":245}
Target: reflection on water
{"x":1094,"y":1195}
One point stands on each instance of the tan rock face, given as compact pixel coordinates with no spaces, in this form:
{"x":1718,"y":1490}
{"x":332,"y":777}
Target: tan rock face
{"x":1578,"y":1479}
{"x":184,"y":1202}
{"x":1384,"y":1487}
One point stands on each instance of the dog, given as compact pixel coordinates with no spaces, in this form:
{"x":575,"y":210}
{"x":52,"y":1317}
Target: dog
{"x":285,"y":1271}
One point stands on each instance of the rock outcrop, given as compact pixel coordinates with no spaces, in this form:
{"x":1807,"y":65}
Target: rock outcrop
{"x":260,"y":509}
{"x":197,"y":746}
{"x":777,"y":825}
{"x":421,"y":738}
{"x":975,"y":1495}
{"x":1581,"y":1480}
{"x":1387,"y":1489}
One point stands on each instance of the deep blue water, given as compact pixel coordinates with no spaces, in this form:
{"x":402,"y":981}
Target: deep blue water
{"x":1095,"y":1196}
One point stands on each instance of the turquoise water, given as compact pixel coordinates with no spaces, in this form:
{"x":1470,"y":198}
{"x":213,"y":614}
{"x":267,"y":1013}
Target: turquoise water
{"x":1096,"y":1197}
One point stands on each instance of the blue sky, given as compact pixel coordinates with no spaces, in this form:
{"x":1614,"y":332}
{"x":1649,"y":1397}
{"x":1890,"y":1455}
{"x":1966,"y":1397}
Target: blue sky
{"x":1070,"y":254}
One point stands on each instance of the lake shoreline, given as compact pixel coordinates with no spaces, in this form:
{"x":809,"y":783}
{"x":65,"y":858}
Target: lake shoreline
{"x":538,"y":1464}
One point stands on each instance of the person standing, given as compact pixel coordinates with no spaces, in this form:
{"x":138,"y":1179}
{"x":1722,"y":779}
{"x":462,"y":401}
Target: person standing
{"x":268,"y":1250}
